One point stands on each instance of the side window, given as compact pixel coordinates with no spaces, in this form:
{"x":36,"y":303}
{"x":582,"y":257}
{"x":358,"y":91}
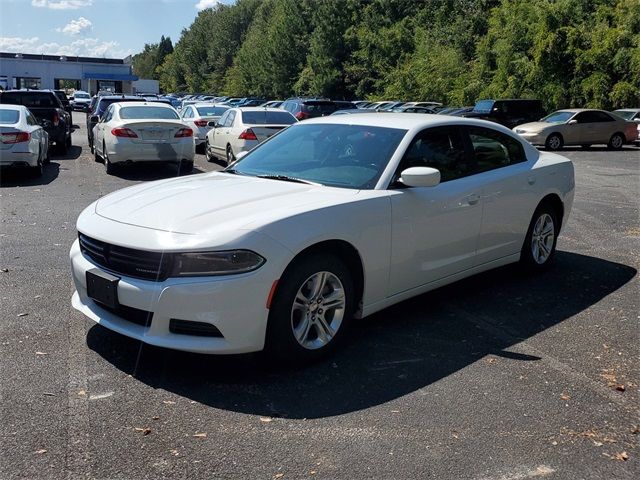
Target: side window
{"x":493,"y":149}
{"x":188,"y":113}
{"x":592,"y":117}
{"x":108,"y":114}
{"x":441,"y":148}
{"x":223,"y":119}
{"x":31,"y":120}
{"x":601,"y":117}
{"x":230,"y":119}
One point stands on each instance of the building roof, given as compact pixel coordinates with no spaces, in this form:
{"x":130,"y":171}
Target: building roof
{"x":69,"y":58}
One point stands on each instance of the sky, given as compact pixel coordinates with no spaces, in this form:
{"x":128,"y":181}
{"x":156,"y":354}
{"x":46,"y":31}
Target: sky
{"x":94,"y":28}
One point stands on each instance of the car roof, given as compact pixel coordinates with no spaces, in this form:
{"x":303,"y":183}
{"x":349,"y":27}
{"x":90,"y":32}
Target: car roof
{"x":578,"y":110}
{"x":208,"y":104}
{"x":627,"y":110}
{"x":147,"y":104}
{"x":260,"y":109}
{"x":116,"y":97}
{"x":10,"y":106}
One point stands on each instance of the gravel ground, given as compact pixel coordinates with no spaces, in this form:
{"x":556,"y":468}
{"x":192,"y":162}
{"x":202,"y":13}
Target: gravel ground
{"x":501,"y":376}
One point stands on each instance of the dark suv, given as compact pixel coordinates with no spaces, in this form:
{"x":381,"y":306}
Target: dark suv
{"x":303,"y":108}
{"x":45,"y":106}
{"x":97,"y":111}
{"x":507,"y":112}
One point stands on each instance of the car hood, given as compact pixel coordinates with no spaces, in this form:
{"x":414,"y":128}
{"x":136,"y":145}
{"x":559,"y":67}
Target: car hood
{"x":535,"y":126}
{"x":213,"y":202}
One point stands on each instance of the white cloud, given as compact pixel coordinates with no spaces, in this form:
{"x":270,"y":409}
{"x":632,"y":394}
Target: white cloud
{"x":86,"y":47}
{"x":75,"y":27}
{"x":62,"y":4}
{"x":202,"y":4}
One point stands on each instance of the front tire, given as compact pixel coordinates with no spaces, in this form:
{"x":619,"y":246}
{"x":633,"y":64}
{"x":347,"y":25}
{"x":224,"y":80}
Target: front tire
{"x":207,"y":151}
{"x":38,"y":170}
{"x":312,"y":309}
{"x":185,"y":167}
{"x":554,"y":142}
{"x":540,"y":243}
{"x":616,"y":142}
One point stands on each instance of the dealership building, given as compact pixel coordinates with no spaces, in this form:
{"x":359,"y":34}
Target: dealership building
{"x":23,"y":70}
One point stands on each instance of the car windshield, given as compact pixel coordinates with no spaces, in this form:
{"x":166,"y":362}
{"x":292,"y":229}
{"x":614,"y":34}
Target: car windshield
{"x":483,"y":106}
{"x":558,"y":117}
{"x":161,"y":113}
{"x":104,"y":103}
{"x":626,"y":114}
{"x":265,"y":117}
{"x":32,"y":99}
{"x":82,"y":95}
{"x":211,"y":111}
{"x":348,"y":156}
{"x":9,"y":117}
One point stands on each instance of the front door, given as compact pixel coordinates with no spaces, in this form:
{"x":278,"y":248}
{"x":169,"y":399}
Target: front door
{"x":435,"y":229}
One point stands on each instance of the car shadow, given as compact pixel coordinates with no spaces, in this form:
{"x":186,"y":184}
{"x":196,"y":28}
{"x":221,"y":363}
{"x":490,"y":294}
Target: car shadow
{"x":390,"y":354}
{"x":146,"y":171}
{"x":20,"y":177}
{"x":73,"y":153}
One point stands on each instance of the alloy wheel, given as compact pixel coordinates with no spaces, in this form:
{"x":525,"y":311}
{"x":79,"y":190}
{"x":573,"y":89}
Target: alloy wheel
{"x":542,"y":238}
{"x":318,"y":310}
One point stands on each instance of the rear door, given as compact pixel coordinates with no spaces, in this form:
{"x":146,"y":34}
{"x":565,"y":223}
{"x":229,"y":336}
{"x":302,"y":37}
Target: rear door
{"x":508,"y":197}
{"x":218,"y":143}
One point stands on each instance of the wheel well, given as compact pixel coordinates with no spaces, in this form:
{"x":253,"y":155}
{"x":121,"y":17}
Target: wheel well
{"x":555,"y":133}
{"x":556,"y":204}
{"x":348,"y":254}
{"x":621,"y":134}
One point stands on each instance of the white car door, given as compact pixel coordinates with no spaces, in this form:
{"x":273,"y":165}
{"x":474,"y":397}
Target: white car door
{"x":435,"y":229}
{"x":37,"y":134}
{"x":98,"y":130}
{"x":509,"y":192}
{"x":217,"y":141}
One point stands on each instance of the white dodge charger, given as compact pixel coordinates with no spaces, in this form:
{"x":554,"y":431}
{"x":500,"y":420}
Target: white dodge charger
{"x":330,"y":219}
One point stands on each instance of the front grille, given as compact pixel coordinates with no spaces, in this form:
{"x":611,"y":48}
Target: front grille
{"x":198,"y":329}
{"x":129,"y":262}
{"x":130,"y":314}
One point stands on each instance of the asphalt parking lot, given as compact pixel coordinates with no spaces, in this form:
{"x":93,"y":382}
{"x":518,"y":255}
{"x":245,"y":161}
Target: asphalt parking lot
{"x":502,"y":376}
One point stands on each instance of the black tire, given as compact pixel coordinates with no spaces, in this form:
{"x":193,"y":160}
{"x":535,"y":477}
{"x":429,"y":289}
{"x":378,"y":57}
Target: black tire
{"x":109,"y":167}
{"x":527,"y":255}
{"x":616,"y":142}
{"x":230,"y":156}
{"x":554,"y":142}
{"x":281,"y":343}
{"x":38,"y":170}
{"x":185,"y":167}
{"x":207,"y":151}
{"x":68,"y":142}
{"x":96,"y":157}
{"x":47,"y":157}
{"x":63,"y":147}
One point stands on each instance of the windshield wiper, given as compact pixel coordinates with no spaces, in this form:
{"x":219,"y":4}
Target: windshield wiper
{"x":286,"y":178}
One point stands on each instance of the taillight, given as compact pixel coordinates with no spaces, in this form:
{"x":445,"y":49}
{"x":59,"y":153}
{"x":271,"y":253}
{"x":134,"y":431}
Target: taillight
{"x":184,"y":132}
{"x":248,"y":134}
{"x":56,"y":119}
{"x":302,"y":115}
{"x":124,"y":132}
{"x":201,"y":123}
{"x":16,"y":137}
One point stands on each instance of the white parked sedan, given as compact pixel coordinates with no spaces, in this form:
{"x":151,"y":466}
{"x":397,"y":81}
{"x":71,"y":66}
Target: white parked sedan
{"x":241,"y":129}
{"x":201,"y":117}
{"x":333,"y":218}
{"x":143,"y":132}
{"x":23,"y":141}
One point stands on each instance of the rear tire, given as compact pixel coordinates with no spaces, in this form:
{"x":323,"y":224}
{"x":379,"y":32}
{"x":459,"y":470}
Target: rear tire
{"x":311,"y":311}
{"x":207,"y":151}
{"x":616,"y":142}
{"x":230,"y":156}
{"x":38,"y":170}
{"x":109,"y":167}
{"x":540,"y":242}
{"x":185,"y":167}
{"x":554,"y":142}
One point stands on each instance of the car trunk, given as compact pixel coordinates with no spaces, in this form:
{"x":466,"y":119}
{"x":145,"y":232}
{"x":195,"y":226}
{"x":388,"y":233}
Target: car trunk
{"x":155,"y":131}
{"x":263,"y":132}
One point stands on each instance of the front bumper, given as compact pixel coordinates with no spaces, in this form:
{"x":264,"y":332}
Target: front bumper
{"x":235,"y":305}
{"x":533,"y":138}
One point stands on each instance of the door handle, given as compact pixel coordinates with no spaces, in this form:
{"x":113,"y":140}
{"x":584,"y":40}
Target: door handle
{"x":473,"y":199}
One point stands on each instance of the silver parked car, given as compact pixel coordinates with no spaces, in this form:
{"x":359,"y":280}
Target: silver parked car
{"x":23,"y":141}
{"x":578,"y":126}
{"x":631,"y":115}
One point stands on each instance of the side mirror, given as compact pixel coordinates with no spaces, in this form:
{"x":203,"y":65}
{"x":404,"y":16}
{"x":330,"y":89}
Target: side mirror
{"x":94,"y":119}
{"x":45,"y":123}
{"x":212,"y":124}
{"x":572,"y":122}
{"x":241,"y":155}
{"x":420,"y":177}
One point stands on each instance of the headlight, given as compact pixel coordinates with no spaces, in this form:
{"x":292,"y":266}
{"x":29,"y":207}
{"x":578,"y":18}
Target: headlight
{"x":519,"y":130}
{"x":195,"y":264}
